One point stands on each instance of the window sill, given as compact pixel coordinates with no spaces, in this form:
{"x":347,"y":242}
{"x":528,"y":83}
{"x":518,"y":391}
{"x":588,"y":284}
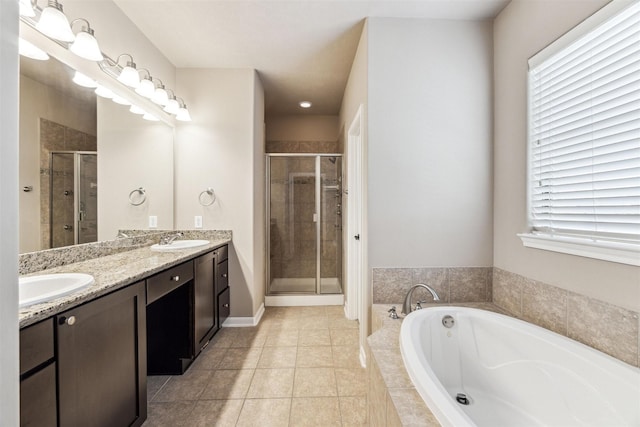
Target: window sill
{"x":623,"y":253}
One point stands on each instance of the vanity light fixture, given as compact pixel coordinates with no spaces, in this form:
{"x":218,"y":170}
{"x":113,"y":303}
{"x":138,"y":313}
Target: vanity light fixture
{"x":26,"y":8}
{"x":160,"y":96}
{"x":136,"y":110}
{"x":120,"y":100}
{"x":147,"y":87}
{"x":150,"y":117}
{"x":85,"y":45}
{"x":305,"y":104}
{"x":29,"y":50}
{"x":129,"y":74}
{"x":104,"y":92}
{"x":84,"y":81}
{"x":54,"y":24}
{"x":183,"y":114}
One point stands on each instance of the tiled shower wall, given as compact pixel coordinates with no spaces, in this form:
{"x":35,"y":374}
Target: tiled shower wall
{"x":603,"y":326}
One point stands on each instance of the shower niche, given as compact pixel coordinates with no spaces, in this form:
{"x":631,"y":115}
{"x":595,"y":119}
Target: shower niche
{"x":304,"y":207}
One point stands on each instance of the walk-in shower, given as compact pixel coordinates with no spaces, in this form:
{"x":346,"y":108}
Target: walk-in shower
{"x":73,"y":210}
{"x":304,"y":207}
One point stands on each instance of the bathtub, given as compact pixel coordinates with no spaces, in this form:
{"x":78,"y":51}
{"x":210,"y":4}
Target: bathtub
{"x":488,"y":369}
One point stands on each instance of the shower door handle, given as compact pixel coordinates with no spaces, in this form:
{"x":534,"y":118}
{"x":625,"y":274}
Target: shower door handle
{"x":357,"y":237}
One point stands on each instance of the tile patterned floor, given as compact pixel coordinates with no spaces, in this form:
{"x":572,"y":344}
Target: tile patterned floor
{"x":299,"y":367}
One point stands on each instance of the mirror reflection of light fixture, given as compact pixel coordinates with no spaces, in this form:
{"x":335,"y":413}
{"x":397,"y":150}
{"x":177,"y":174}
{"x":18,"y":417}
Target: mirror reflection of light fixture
{"x":54,"y":24}
{"x":183,"y":114}
{"x":137,"y":110}
{"x":172,"y":106}
{"x":26,"y":8}
{"x":85,"y":45}
{"x":129,"y":74}
{"x":104,"y":92}
{"x":147,"y":87}
{"x":160,"y":96}
{"x":120,"y":100}
{"x":150,"y":117}
{"x":84,"y":81}
{"x":29,"y":50}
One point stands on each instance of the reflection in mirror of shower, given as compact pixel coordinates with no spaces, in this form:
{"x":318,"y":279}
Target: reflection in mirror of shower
{"x":73,"y":199}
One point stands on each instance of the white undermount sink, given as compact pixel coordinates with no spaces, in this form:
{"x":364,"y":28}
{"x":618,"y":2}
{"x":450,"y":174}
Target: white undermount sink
{"x":179,"y":244}
{"x":35,"y":289}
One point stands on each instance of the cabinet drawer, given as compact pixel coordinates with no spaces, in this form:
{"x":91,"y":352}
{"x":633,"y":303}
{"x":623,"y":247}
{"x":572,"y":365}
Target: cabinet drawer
{"x":224,"y":306}
{"x":222,"y":279}
{"x":222,"y":253}
{"x":36,"y":345}
{"x":38,"y":405}
{"x":163,"y":283}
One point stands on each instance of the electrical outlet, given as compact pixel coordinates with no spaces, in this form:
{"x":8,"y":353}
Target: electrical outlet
{"x":153,"y":221}
{"x":198,"y":221}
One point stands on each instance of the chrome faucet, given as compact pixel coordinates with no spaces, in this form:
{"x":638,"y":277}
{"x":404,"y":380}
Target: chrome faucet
{"x":167,"y":240}
{"x":406,"y":306}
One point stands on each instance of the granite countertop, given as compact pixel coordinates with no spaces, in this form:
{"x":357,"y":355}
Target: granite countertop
{"x":111,"y":272}
{"x":384,"y":345}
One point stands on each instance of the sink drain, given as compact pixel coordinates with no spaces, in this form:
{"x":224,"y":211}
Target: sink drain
{"x":462,"y":399}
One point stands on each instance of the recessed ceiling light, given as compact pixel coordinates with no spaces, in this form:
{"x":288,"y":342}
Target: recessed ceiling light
{"x":305,"y":104}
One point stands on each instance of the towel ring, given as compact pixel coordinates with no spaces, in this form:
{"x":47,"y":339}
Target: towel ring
{"x":140,"y":199}
{"x":212,"y":196}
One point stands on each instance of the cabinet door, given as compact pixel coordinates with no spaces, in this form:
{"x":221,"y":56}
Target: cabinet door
{"x":204,"y":299}
{"x":38,"y":399}
{"x":102,"y":361}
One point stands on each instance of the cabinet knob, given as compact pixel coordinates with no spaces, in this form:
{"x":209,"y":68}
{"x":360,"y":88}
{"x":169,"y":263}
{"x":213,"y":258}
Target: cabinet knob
{"x":71,"y":320}
{"x":225,"y":305}
{"x":225,"y":275}
{"x":175,"y":278}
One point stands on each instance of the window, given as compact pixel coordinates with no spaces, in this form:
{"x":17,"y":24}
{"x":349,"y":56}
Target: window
{"x":584,"y":139}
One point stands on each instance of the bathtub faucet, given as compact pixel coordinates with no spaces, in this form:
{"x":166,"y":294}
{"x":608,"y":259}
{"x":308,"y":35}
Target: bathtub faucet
{"x":406,"y":307}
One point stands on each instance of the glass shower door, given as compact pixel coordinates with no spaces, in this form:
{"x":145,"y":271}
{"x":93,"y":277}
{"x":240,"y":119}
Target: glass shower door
{"x":331,"y":225}
{"x":87,"y":186}
{"x":62,"y":199}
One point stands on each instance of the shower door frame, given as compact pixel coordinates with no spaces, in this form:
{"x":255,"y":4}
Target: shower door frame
{"x":76,"y":191}
{"x":318,"y":189}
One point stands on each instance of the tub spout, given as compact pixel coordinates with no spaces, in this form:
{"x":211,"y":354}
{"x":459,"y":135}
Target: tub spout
{"x":406,"y":307}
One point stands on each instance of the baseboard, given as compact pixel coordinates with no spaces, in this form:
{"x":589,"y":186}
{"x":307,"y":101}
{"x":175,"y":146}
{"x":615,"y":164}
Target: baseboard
{"x":303,"y":300}
{"x":243,"y":322}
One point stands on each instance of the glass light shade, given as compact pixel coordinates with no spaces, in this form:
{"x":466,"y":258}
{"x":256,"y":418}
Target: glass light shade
{"x":31,"y":51}
{"x":86,"y":46}
{"x":183,"y":114}
{"x":120,"y":100}
{"x":147,"y":88}
{"x":129,"y":76}
{"x":305,"y":104}
{"x":172,"y":106}
{"x":160,"y":96}
{"x":104,"y":92}
{"x":54,"y":24}
{"x":26,"y":9}
{"x":137,"y":110}
{"x":150,"y":117}
{"x":84,"y":81}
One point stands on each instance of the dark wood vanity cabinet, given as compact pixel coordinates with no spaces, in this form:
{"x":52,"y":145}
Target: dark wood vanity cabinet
{"x":204,"y":306}
{"x":102,"y":361}
{"x":222,"y":284}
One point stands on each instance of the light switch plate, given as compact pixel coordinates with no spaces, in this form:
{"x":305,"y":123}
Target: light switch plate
{"x":197,"y":221}
{"x":153,"y":221}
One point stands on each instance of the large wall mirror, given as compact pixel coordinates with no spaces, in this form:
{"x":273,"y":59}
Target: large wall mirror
{"x":88,"y":166}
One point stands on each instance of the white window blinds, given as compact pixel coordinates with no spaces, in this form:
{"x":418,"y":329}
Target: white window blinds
{"x":584,"y":134}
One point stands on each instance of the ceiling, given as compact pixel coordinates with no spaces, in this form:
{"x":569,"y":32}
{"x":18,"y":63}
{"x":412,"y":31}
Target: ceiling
{"x":302,"y":49}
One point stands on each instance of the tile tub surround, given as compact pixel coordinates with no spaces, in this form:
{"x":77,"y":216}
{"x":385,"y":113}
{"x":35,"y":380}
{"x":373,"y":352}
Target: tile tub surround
{"x":112,"y":272}
{"x":32,"y":262}
{"x":393,"y":400}
{"x":576,"y":316}
{"x":296,"y":368}
{"x":453,"y":284}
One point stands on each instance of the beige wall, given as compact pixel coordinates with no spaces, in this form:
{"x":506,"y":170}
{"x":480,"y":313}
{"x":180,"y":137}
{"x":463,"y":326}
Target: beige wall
{"x":522,"y":29}
{"x":429,"y":143}
{"x":220,"y":148}
{"x":132,"y":153}
{"x":41,"y":101}
{"x":302,"y":128}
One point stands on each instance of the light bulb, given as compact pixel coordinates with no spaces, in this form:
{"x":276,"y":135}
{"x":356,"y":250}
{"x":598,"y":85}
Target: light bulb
{"x":146,"y":88}
{"x":86,"y":46}
{"x":54,"y":24}
{"x":305,"y":104}
{"x":104,"y":92}
{"x":29,"y":50}
{"x":84,"y":81}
